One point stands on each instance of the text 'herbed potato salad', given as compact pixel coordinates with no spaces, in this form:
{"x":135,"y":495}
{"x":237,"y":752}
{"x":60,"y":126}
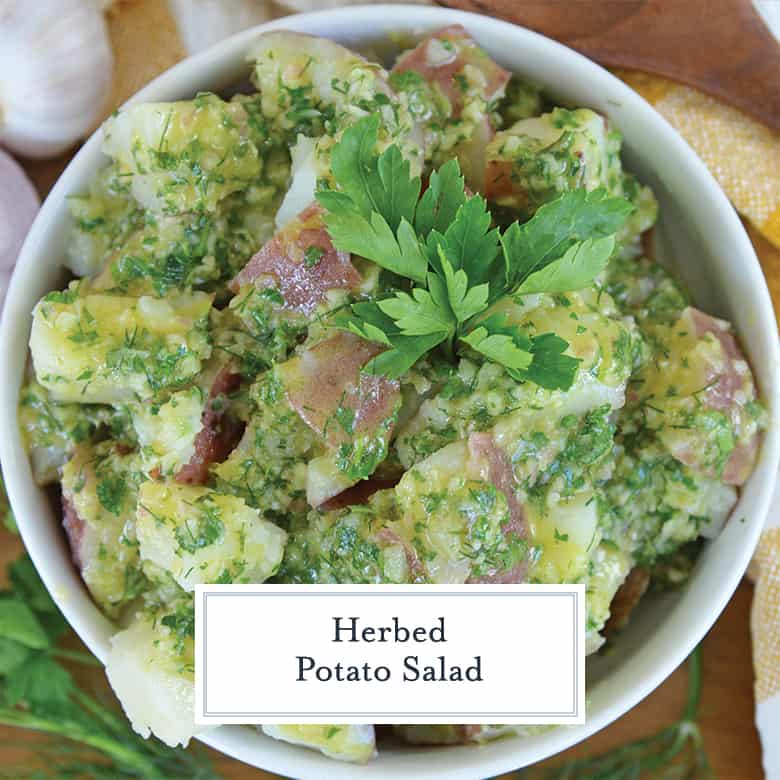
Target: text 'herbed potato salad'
{"x":365,"y":326}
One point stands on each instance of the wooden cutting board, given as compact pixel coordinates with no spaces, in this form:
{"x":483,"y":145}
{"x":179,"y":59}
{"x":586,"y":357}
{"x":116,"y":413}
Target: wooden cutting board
{"x":722,"y":47}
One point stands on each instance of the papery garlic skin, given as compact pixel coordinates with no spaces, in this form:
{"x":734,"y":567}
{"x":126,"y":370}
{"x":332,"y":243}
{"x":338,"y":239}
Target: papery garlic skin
{"x":19,"y":204}
{"x":55,"y":73}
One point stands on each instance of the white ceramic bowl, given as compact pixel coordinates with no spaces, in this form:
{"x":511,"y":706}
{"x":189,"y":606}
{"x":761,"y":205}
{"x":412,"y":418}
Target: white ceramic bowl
{"x":699,"y":234}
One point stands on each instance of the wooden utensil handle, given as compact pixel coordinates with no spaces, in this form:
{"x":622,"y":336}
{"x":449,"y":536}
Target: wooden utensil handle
{"x":722,"y":47}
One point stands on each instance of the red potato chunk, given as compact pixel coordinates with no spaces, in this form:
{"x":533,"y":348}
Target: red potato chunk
{"x":354,"y":413}
{"x":700,"y":398}
{"x":74,"y":529}
{"x":326,"y":380}
{"x":731,"y":389}
{"x":483,"y":449}
{"x":470,"y":82}
{"x":99,"y":494}
{"x":301,"y":262}
{"x":219,"y":435}
{"x":441,"y":58}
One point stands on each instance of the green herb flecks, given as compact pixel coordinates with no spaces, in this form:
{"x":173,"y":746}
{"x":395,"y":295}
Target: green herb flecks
{"x":111,"y":492}
{"x":453,"y":264}
{"x":202,"y":532}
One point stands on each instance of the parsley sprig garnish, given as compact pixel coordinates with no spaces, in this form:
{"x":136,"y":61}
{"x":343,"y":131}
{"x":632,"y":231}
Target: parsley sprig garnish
{"x":456,"y":263}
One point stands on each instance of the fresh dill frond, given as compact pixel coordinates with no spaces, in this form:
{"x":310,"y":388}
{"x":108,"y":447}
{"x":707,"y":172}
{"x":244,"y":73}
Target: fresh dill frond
{"x":676,"y":752}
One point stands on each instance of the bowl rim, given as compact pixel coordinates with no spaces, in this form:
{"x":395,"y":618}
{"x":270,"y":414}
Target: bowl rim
{"x":462,"y":761}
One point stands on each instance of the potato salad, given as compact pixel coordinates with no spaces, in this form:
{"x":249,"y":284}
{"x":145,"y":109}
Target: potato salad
{"x":370,"y":325}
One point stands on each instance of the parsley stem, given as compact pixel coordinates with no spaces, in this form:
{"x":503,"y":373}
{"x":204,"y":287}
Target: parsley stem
{"x":449,"y":348}
{"x":121,"y":754}
{"x":111,"y":721}
{"x":77,"y":656}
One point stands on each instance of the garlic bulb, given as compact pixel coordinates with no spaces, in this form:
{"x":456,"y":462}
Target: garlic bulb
{"x":322,"y":5}
{"x":55,"y":73}
{"x":202,"y":23}
{"x":18,"y":206}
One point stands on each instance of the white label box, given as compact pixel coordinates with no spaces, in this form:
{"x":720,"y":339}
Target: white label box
{"x":405,"y":654}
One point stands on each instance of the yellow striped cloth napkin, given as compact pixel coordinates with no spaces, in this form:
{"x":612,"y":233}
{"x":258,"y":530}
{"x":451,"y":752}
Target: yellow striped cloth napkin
{"x":744,"y":156}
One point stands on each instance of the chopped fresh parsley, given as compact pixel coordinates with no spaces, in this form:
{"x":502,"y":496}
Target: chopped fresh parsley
{"x":181,"y":623}
{"x":111,"y":492}
{"x":203,"y":532}
{"x":312,"y":256}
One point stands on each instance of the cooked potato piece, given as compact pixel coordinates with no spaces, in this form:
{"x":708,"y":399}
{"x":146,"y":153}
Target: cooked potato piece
{"x":316,"y":88}
{"x":99,"y":493}
{"x":183,"y":156}
{"x":188,"y":251}
{"x":167,"y":432}
{"x":348,"y":545}
{"x":201,"y":536}
{"x":112,"y":349}
{"x":699,"y":397}
{"x":52,"y":430}
{"x":352,"y":413}
{"x":656,"y":503}
{"x":628,"y":596}
{"x":453,"y":84}
{"x":346,"y":743}
{"x":151,"y":668}
{"x":268,"y":467}
{"x":312,"y":86}
{"x":102,"y":218}
{"x":565,"y":534}
{"x":542,"y":157}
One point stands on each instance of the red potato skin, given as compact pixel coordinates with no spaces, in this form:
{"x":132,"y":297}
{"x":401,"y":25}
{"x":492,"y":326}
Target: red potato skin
{"x":722,"y":395}
{"x":465,"y":51}
{"x":74,"y":530}
{"x":741,"y":462}
{"x":358,"y":494}
{"x":498,"y":179}
{"x":281,"y":263}
{"x":501,"y":475}
{"x":218,"y":436}
{"x":629,"y":594}
{"x":444,"y":73}
{"x":330,"y":377}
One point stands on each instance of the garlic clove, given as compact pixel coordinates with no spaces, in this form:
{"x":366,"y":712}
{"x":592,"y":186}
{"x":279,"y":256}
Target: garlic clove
{"x":19,"y":204}
{"x":55,"y":73}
